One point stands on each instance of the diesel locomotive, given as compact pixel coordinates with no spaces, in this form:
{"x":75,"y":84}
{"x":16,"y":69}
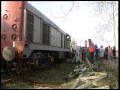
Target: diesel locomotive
{"x":29,"y":38}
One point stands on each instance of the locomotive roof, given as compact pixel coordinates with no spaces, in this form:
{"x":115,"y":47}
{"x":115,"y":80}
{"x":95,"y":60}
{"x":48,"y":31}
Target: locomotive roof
{"x":41,"y":15}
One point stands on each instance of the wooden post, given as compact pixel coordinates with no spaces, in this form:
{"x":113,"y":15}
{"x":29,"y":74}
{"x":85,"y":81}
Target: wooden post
{"x":86,"y":49}
{"x":93,"y":81}
{"x":78,"y":80}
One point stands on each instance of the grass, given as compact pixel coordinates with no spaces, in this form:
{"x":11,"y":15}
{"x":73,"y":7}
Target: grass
{"x":56,"y":74}
{"x":53,"y":74}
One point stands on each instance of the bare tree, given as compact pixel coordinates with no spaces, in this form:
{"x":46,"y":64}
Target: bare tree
{"x":106,"y":10}
{"x":110,"y":9}
{"x":65,"y":14}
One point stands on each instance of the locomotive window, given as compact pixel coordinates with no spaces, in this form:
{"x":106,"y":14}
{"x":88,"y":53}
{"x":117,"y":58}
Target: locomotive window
{"x":45,"y":33}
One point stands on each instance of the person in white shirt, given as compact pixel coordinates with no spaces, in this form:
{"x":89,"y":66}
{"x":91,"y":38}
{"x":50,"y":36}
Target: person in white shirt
{"x":102,"y":50}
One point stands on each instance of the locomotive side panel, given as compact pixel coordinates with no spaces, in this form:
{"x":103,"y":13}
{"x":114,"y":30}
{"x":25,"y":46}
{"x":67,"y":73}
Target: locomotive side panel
{"x":37,"y":33}
{"x":62,"y":40}
{"x":52,"y":37}
{"x":56,"y":38}
{"x":41,"y":31}
{"x":59,"y":40}
{"x":65,"y":42}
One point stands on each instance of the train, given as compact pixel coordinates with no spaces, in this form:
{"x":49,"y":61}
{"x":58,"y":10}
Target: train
{"x":29,"y":38}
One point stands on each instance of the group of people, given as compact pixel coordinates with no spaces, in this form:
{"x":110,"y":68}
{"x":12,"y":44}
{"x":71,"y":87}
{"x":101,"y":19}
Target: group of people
{"x":95,"y":54}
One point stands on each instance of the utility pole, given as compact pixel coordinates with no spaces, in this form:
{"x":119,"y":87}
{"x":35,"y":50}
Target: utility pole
{"x":83,"y":42}
{"x":114,"y":23}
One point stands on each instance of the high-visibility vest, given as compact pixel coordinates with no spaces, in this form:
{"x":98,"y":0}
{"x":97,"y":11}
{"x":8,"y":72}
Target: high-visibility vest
{"x":91,"y":49}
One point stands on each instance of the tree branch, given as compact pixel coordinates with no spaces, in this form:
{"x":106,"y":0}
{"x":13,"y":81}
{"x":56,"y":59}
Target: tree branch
{"x":65,"y":14}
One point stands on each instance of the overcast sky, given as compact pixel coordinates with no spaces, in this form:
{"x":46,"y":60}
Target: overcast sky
{"x":80,"y":23}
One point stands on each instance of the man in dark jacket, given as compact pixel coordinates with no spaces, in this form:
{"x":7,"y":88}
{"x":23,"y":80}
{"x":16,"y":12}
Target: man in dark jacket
{"x":114,"y":52}
{"x":96,"y":52}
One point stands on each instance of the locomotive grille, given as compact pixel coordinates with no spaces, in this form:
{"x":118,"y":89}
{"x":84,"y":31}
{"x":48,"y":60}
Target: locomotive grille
{"x":45,"y":34}
{"x":30,"y":25}
{"x":30,"y":18}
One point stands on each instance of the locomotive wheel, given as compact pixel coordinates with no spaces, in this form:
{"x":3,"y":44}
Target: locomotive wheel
{"x":14,"y":68}
{"x":37,"y":61}
{"x":34,"y":61}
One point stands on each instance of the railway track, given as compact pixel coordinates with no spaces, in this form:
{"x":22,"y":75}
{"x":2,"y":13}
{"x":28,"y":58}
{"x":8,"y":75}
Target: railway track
{"x":8,"y":80}
{"x":45,"y":85}
{"x":5,"y":78}
{"x":4,"y":81}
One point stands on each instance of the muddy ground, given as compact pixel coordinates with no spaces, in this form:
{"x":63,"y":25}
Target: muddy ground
{"x":56,"y":76}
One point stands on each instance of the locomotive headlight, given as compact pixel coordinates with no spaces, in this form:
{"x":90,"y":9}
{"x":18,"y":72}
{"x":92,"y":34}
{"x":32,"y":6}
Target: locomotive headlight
{"x":8,"y":53}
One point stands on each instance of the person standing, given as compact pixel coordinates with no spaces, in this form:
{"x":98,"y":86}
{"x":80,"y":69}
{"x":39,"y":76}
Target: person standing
{"x":96,"y":52}
{"x":102,"y":50}
{"x":114,"y":52}
{"x":80,"y":54}
{"x":106,"y":53}
{"x":84,"y":54}
{"x":110,"y":53}
{"x":91,"y":51}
